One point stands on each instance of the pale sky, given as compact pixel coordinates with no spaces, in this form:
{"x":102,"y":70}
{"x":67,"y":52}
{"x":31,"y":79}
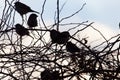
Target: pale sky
{"x":105,"y":13}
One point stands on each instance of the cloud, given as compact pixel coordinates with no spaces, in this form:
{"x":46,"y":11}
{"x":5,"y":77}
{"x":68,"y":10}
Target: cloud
{"x":94,"y":37}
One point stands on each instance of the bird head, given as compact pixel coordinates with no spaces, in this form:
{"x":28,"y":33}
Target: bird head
{"x":17,"y":3}
{"x":66,"y":34}
{"x":18,"y":26}
{"x":54,"y":32}
{"x":34,"y":15}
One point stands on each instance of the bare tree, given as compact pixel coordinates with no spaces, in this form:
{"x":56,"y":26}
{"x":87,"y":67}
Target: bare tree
{"x":39,"y":56}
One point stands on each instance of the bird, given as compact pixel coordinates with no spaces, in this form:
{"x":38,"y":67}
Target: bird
{"x":70,"y":47}
{"x":59,"y":37}
{"x":22,"y":8}
{"x":63,"y":37}
{"x":21,"y":30}
{"x":32,"y":20}
{"x":54,"y":36}
{"x":46,"y":75}
{"x":55,"y":75}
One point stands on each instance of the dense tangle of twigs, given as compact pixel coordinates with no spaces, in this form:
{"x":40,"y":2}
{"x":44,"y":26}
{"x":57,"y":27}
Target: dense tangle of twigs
{"x":21,"y":61}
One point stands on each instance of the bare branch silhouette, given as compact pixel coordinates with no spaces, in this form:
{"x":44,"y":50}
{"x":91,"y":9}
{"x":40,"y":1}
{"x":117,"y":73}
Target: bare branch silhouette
{"x":59,"y":55}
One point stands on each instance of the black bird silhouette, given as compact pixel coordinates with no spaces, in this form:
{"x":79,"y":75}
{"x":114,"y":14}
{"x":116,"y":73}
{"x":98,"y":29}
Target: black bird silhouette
{"x":70,"y":47}
{"x":55,"y":75}
{"x":21,"y":30}
{"x":22,"y":8}
{"x":54,"y":35}
{"x":32,"y":20}
{"x":59,"y":38}
{"x":63,"y":37}
{"x":46,"y":75}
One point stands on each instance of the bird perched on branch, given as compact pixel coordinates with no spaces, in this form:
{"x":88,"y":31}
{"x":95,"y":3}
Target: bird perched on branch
{"x":50,"y":75}
{"x":21,"y":30}
{"x":22,"y":8}
{"x":32,"y":20}
{"x":63,"y":37}
{"x":59,"y":38}
{"x":55,"y":75}
{"x":54,"y":36}
{"x":46,"y":75}
{"x":70,"y":47}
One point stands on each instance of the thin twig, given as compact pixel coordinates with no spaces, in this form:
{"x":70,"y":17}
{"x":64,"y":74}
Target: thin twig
{"x":73,"y":13}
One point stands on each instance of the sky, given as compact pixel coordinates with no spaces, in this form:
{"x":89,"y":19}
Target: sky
{"x":105,"y":13}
